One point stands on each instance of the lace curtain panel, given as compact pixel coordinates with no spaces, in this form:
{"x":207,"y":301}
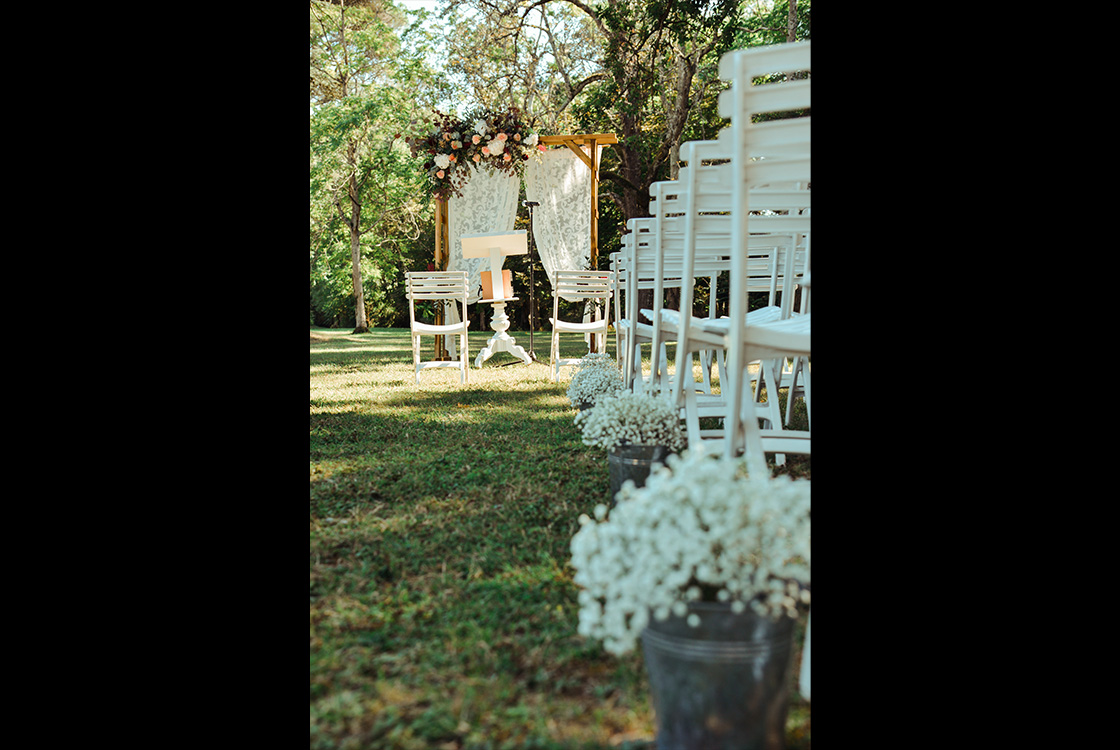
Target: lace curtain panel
{"x":561,"y":183}
{"x":488,"y":204}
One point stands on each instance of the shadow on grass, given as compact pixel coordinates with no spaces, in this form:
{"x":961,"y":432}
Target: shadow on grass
{"x":442,"y":607}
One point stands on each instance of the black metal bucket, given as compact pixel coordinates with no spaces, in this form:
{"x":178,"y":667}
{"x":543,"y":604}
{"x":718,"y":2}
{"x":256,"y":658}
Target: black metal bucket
{"x":723,"y":685}
{"x":633,"y":462}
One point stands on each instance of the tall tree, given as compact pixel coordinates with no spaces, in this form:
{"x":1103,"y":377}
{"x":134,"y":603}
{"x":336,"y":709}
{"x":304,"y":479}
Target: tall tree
{"x":357,"y":102}
{"x":634,"y":72}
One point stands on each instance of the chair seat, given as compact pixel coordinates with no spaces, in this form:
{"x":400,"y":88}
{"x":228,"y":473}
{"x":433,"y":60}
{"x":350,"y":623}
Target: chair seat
{"x":770,"y":334}
{"x":594,"y":326}
{"x":671,"y":318}
{"x":434,"y":329}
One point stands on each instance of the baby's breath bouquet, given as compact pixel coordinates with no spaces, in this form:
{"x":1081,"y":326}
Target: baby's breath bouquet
{"x":596,"y":375}
{"x":634,"y":418}
{"x":700,"y":530}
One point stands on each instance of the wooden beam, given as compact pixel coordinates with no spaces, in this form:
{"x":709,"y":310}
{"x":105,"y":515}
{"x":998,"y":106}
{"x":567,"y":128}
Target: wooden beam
{"x":556,"y":140}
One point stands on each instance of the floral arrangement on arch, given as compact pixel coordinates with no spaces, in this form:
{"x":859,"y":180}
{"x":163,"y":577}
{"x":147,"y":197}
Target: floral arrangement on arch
{"x":596,"y":375}
{"x":701,"y":529}
{"x":634,"y":418}
{"x":451,"y":147}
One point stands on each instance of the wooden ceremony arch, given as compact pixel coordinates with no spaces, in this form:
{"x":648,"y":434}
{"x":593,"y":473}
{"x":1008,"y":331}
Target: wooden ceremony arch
{"x":443,"y":244}
{"x":574,"y":142}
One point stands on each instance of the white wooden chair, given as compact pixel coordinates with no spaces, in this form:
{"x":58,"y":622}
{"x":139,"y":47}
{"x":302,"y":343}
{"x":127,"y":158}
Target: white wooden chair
{"x":777,"y":152}
{"x":691,"y":221}
{"x":588,"y":286}
{"x":637,"y":265}
{"x":439,"y":287}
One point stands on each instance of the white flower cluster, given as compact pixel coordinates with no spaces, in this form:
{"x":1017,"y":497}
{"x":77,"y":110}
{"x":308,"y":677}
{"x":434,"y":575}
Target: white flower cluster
{"x":631,"y":418}
{"x":699,"y":526}
{"x":596,"y":375}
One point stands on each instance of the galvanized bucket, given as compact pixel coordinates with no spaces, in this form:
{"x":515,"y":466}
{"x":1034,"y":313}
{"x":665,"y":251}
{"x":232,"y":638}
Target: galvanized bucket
{"x":723,"y":685}
{"x":635,"y":462}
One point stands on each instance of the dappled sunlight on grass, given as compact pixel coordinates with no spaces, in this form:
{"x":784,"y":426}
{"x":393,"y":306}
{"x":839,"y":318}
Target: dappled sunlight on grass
{"x":442,"y":608}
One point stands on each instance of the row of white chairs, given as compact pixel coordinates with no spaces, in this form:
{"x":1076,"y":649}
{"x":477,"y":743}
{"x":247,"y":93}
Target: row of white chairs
{"x":739,"y":210}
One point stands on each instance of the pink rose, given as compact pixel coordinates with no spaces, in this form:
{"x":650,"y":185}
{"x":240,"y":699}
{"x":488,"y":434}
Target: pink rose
{"x":517,"y":137}
{"x":456,"y":144}
{"x":475,"y":139}
{"x":506,"y":157}
{"x":439,"y":174}
{"x":542,"y":147}
{"x":476,"y":157}
{"x":502,"y":136}
{"x":485,"y":150}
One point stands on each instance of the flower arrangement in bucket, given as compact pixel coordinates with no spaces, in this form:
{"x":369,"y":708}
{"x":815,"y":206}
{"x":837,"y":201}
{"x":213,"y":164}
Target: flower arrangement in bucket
{"x":596,"y":375}
{"x":701,"y":529}
{"x":452,"y":146}
{"x":708,"y":566}
{"x":637,"y":430}
{"x":631,"y":418}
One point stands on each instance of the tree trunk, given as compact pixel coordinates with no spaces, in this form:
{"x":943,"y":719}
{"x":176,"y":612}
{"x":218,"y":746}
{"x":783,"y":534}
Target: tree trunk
{"x":361,"y":324}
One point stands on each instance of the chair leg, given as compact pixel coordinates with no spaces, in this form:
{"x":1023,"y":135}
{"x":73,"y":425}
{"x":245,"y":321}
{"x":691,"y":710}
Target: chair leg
{"x":752,"y":438}
{"x":463,"y":358}
{"x":553,"y":354}
{"x":768,"y":373}
{"x":416,"y":356}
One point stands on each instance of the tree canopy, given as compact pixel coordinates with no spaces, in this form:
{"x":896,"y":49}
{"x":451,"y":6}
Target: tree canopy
{"x":645,"y":70}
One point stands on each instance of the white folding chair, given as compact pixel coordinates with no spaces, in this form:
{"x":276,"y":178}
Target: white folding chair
{"x":766,"y":82}
{"x":637,"y":264}
{"x":692,"y":223}
{"x":589,"y":287}
{"x":439,"y":287}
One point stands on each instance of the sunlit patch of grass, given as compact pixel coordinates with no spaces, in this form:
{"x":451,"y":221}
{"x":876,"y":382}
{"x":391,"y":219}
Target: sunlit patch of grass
{"x":442,"y":608}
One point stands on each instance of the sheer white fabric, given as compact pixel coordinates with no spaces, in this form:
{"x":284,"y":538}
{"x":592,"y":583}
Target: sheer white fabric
{"x":561,"y":183}
{"x":488,"y":204}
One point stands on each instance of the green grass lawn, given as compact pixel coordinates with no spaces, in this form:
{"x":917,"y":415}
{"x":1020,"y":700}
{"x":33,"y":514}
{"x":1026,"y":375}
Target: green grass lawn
{"x":443,"y":613}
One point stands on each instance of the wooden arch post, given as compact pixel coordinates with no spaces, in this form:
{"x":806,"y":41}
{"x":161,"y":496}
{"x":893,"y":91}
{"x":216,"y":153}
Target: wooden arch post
{"x":573,"y":142}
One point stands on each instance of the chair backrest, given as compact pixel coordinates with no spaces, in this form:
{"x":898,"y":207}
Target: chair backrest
{"x":435,"y":285}
{"x":584,"y":285}
{"x":769,"y":142}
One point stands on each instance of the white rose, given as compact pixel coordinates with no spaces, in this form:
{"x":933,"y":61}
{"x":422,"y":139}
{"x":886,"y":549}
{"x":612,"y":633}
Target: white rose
{"x":496,"y":147}
{"x":481,"y":127}
{"x":531,"y":140}
{"x":443,"y":161}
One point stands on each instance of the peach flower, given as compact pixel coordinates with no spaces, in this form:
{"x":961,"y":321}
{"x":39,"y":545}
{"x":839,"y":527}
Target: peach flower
{"x":439,"y":174}
{"x":506,"y":157}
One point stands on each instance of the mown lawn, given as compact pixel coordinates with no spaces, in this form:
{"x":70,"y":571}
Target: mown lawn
{"x":443,"y":614}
